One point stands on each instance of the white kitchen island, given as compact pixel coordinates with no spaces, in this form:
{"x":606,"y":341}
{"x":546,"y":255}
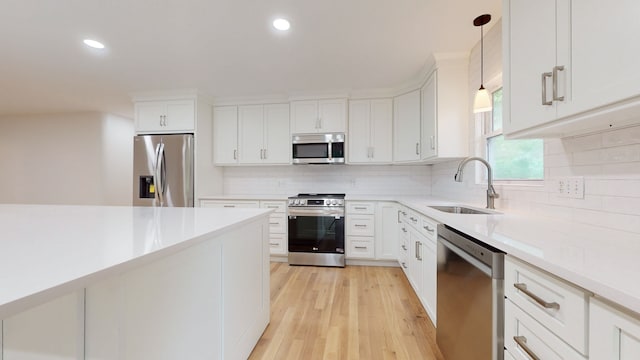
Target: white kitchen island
{"x":88,"y":282}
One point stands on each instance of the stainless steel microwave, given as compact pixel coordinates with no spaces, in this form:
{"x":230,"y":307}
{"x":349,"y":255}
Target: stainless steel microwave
{"x":318,"y":148}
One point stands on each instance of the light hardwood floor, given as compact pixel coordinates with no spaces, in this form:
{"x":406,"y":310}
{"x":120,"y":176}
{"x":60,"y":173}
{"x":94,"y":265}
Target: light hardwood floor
{"x":357,"y":312}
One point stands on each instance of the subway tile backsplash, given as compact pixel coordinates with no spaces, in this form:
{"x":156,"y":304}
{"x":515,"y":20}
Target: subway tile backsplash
{"x":608,"y":161}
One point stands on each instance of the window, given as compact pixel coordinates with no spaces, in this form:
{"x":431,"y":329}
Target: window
{"x":511,"y":159}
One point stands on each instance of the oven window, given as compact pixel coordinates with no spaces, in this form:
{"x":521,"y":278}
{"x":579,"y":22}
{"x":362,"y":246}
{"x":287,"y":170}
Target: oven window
{"x":310,"y":151}
{"x":316,"y":234}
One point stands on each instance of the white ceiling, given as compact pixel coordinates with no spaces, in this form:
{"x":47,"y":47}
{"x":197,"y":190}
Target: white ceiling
{"x":223,"y":48}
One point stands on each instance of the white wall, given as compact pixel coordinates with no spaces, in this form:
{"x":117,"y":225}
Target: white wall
{"x":350,"y":179}
{"x":78,"y":158}
{"x":608,"y":161}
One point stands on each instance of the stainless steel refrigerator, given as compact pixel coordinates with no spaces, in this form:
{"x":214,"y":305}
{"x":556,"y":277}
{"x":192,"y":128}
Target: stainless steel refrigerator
{"x":163,"y":170}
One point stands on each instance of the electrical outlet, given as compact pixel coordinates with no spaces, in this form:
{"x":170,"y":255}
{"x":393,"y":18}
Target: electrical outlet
{"x":571,"y":187}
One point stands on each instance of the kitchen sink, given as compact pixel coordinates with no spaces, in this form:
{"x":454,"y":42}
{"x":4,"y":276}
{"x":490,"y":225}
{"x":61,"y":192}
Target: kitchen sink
{"x":462,"y":210}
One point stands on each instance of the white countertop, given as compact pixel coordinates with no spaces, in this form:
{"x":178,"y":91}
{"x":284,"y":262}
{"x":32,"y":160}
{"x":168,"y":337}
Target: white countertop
{"x":602,"y":261}
{"x":48,"y":251}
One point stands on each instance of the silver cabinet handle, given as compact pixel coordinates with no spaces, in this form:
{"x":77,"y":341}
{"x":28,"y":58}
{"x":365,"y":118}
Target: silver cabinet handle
{"x":399,"y":216}
{"x":274,"y":223}
{"x":404,"y":247}
{"x":272,"y":206}
{"x":360,"y":208}
{"x":265,"y":154}
{"x":544,"y":88}
{"x":417,"y":148}
{"x":555,"y":83}
{"x":413,"y":219}
{"x":547,"y":305}
{"x":404,"y":213}
{"x":160,"y":120}
{"x":274,"y":244}
{"x":433,"y":142}
{"x":522,"y":342}
{"x":235,"y":154}
{"x":418,"y":252}
{"x":429,"y":229}
{"x":360,"y":247}
{"x":404,"y":265}
{"x":404,"y":230}
{"x":372,"y":153}
{"x":360,"y":225}
{"x":229,"y":206}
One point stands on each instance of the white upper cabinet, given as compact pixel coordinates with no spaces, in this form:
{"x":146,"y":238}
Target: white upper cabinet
{"x":225,"y":135}
{"x":264,"y":134}
{"x":445,"y":111}
{"x":165,"y":116}
{"x":569,"y":66}
{"x":318,"y":116}
{"x":370,"y":131}
{"x":406,"y":127}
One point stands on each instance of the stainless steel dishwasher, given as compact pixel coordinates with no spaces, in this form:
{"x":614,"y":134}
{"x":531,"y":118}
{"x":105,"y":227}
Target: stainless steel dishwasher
{"x":470,"y":297}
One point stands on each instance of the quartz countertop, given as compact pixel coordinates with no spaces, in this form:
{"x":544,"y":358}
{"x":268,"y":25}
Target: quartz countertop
{"x":49,"y":250}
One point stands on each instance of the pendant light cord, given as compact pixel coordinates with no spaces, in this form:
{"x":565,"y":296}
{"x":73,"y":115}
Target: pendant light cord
{"x":481,"y":57}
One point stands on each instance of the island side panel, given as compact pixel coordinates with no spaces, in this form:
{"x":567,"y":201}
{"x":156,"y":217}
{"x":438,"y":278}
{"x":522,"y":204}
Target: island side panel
{"x":210,"y":301}
{"x":246,"y":289}
{"x":53,"y":330}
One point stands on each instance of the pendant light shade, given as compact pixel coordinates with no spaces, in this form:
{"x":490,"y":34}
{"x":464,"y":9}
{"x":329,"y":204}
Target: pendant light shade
{"x":482,"y":102}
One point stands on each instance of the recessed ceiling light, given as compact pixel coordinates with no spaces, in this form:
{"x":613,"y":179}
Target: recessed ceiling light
{"x":281,"y":24}
{"x":94,"y":44}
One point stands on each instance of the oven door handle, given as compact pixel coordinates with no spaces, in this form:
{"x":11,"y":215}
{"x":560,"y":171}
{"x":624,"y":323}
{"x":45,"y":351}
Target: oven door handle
{"x":338,"y":214}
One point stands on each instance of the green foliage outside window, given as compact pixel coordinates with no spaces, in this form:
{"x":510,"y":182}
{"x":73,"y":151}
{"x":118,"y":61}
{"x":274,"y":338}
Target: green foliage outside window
{"x":512,"y":159}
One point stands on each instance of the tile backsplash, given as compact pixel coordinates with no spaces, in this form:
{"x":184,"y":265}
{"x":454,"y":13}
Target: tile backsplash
{"x":350,"y":179}
{"x":609,"y":163}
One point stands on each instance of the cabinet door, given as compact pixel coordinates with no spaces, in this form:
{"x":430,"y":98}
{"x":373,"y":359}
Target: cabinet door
{"x":225,"y":135}
{"x":332,"y":115}
{"x":304,"y":117}
{"x":415,"y":262}
{"x":603,"y":62}
{"x":530,"y":39}
{"x":277,"y":139}
{"x":428,"y":294}
{"x":149,"y":115}
{"x":429,"y":117}
{"x":406,"y":127}
{"x":359,"y":131}
{"x":381,"y":130}
{"x":612,"y":334}
{"x":180,"y":115}
{"x":386,"y":239}
{"x":250,"y":134}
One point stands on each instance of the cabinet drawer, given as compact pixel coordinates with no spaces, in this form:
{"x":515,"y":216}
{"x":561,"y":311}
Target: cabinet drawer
{"x":278,"y":244}
{"x":278,"y":223}
{"x":360,"y":247}
{"x":229,"y":203}
{"x":360,"y":225}
{"x":413,"y":219}
{"x":556,"y":304}
{"x":278,"y":206}
{"x":522,"y":328}
{"x":360,"y":208}
{"x":428,"y":228}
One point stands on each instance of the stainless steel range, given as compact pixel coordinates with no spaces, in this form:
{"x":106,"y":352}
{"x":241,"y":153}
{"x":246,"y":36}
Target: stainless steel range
{"x":316,"y":230}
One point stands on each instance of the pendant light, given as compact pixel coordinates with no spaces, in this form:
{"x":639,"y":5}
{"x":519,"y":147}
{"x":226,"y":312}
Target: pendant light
{"x":482,"y":102}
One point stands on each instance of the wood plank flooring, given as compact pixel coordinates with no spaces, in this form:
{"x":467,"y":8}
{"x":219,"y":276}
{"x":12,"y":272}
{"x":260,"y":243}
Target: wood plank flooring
{"x":357,"y":312}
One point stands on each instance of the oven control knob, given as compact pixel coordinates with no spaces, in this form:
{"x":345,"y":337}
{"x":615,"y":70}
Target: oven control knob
{"x":340,"y":202}
{"x":290,"y":201}
{"x":296,"y":202}
{"x":334,"y":202}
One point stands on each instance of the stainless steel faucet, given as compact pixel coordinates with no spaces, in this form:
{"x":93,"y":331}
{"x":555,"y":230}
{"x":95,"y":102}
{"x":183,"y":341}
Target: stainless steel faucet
{"x":491,"y":192}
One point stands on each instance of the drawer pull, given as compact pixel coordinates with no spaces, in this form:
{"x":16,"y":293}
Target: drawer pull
{"x":360,"y":225}
{"x":229,"y":206}
{"x":404,"y":265}
{"x":360,"y":208}
{"x":429,"y":229}
{"x":273,"y":206}
{"x":274,"y":244}
{"x":522,"y":342}
{"x":413,"y":219}
{"x":404,"y":230}
{"x":274,"y":223}
{"x":361,"y":247}
{"x":404,"y":247}
{"x":536,"y":298}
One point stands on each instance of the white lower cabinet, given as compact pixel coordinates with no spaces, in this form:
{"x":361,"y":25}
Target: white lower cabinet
{"x":371,"y":230}
{"x":418,"y":256}
{"x":544,"y":315}
{"x":54,"y":330}
{"x":386,"y":229}
{"x":613,"y":334}
{"x":278,"y":221}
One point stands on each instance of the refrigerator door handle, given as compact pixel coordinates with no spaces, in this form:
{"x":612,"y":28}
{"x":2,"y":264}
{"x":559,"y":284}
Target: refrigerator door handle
{"x":160,"y":174}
